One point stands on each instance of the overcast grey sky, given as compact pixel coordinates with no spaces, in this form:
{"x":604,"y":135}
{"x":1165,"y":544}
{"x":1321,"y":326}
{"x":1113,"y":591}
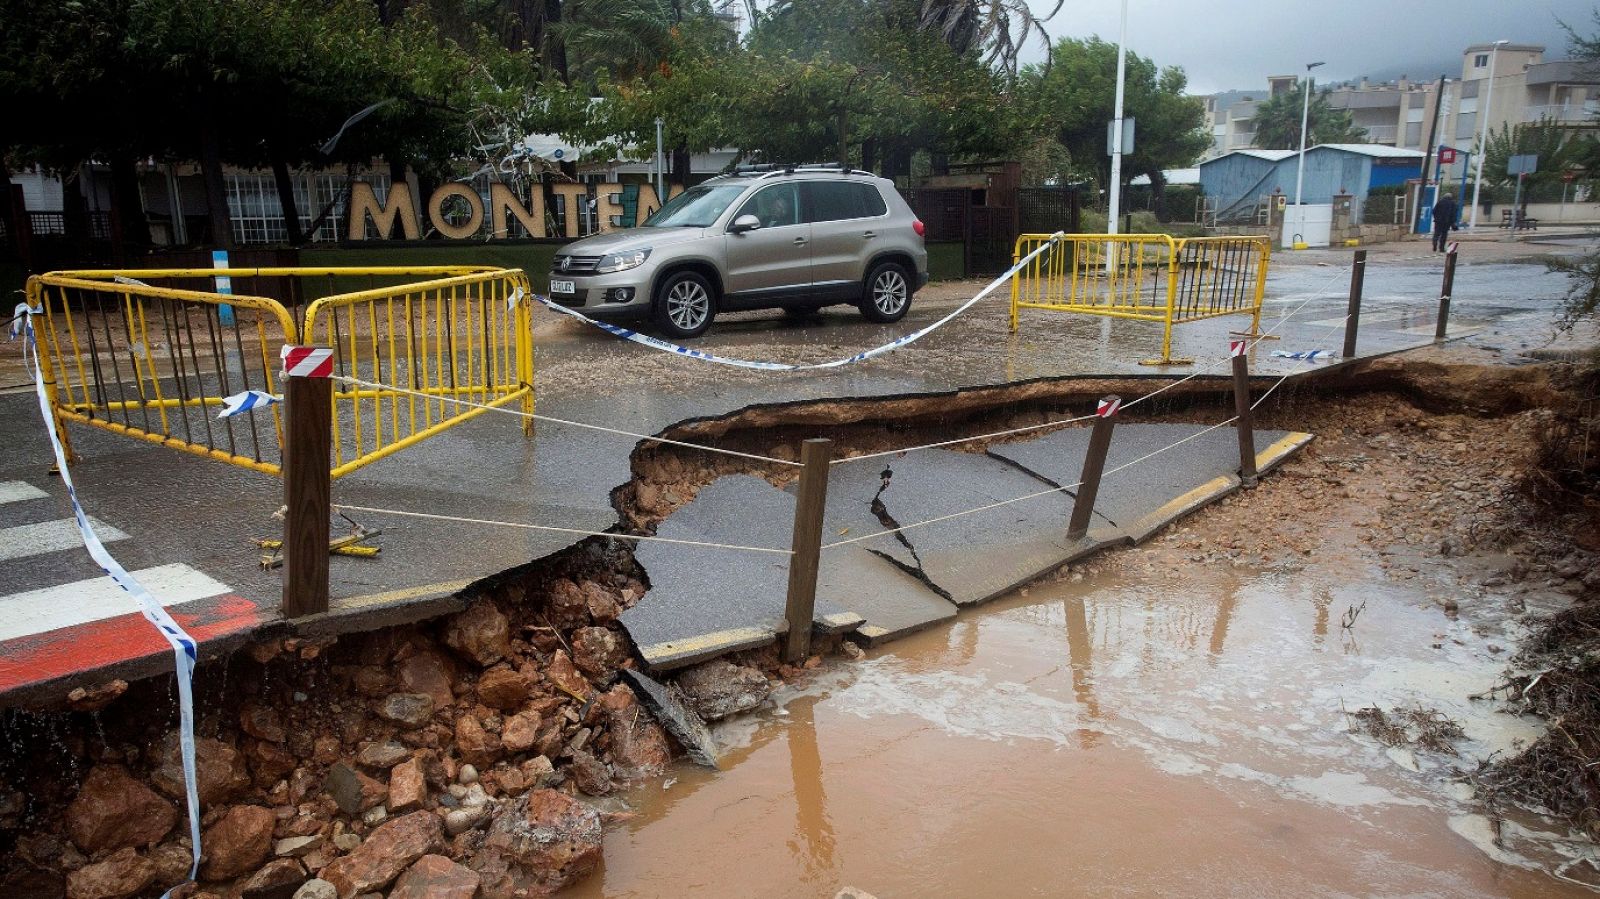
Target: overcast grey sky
{"x":1231,"y":44}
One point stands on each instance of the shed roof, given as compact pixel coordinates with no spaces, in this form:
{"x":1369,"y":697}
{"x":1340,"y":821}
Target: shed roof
{"x":1268,"y":155}
{"x":1173,"y":176}
{"x":1378,"y":150}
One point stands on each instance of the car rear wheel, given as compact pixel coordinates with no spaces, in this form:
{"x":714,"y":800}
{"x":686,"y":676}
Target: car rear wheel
{"x":684,"y":305}
{"x":888,"y":293}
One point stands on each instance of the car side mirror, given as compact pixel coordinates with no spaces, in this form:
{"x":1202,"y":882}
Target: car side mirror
{"x":744,"y":223}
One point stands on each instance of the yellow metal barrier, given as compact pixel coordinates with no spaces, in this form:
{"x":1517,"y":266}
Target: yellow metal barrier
{"x":464,"y":338}
{"x":1147,"y":277}
{"x":152,"y":362}
{"x":155,"y":361}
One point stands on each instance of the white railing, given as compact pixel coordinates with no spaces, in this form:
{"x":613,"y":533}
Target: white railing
{"x":1563,"y":112}
{"x":1382,"y":134}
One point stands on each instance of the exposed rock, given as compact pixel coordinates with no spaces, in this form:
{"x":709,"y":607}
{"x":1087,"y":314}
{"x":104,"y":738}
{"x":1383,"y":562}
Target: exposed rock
{"x":718,"y":688}
{"x":537,"y":845}
{"x":436,"y":877}
{"x":317,"y":888}
{"x":476,"y":745}
{"x":602,"y":606}
{"x":567,"y":606}
{"x":173,"y":862}
{"x":410,"y":709}
{"x":426,"y":670}
{"x":460,"y":820}
{"x":467,"y":775}
{"x":270,"y":761}
{"x":93,"y":699}
{"x":112,"y":810}
{"x":123,"y":873}
{"x":262,"y":722}
{"x":219,"y":769}
{"x":564,"y":674}
{"x":297,"y":847}
{"x":408,"y":788}
{"x":598,"y":650}
{"x":237,"y":842}
{"x":278,"y":879}
{"x":385,"y":853}
{"x":481,"y":634}
{"x":590,"y":774}
{"x":639,"y":747}
{"x":503,"y":689}
{"x":353,"y":791}
{"x":519,"y":732}
{"x":382,"y":755}
{"x":538,"y":771}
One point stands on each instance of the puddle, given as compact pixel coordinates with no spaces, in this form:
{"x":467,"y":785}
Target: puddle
{"x":1117,"y":737}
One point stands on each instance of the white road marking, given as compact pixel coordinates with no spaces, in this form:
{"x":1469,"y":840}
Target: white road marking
{"x":52,"y":608}
{"x":15,"y":491}
{"x":50,"y":536}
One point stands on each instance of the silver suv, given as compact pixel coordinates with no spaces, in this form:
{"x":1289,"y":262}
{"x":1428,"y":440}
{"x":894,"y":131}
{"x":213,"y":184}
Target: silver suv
{"x":795,"y":238}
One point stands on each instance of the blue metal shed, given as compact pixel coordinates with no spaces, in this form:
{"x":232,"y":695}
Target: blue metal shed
{"x":1239,"y":179}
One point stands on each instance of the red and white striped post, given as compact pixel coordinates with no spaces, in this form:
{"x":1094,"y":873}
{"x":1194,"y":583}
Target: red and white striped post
{"x":1094,"y":465}
{"x":307,"y":486}
{"x":1242,"y":412}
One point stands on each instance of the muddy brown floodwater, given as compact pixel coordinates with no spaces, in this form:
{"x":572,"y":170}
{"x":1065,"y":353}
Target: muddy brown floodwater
{"x":1118,"y":734}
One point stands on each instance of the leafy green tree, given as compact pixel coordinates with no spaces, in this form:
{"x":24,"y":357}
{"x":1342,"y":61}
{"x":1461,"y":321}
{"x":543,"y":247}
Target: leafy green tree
{"x":1555,"y":146}
{"x":1072,"y":99}
{"x":1277,"y":122}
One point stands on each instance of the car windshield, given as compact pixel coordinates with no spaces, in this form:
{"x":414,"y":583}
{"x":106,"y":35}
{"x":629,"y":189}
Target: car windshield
{"x":697,"y":207}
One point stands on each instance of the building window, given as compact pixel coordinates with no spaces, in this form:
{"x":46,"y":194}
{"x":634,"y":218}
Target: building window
{"x":258,"y":216}
{"x":1480,"y":61}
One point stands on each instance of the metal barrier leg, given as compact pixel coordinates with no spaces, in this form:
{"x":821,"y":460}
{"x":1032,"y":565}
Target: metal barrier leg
{"x":1094,"y":465}
{"x":806,"y":543}
{"x":308,"y":444}
{"x":1243,"y":418}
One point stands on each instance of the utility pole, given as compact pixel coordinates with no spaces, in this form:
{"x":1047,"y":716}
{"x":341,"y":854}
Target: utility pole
{"x":1483,"y":132}
{"x":661,"y":170}
{"x":1428,"y":161}
{"x":1300,"y":168}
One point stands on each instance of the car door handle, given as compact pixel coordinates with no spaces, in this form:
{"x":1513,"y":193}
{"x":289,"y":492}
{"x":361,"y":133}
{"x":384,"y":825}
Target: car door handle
{"x":870,"y":235}
{"x":799,"y":241}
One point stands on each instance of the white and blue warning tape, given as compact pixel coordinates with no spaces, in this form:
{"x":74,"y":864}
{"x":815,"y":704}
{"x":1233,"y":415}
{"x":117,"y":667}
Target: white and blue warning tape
{"x":243,"y":402}
{"x":184,"y":650}
{"x":667,"y":346}
{"x":1306,"y":355}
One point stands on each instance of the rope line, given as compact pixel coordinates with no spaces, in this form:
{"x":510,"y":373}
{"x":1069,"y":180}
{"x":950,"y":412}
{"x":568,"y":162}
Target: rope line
{"x":545,"y":527}
{"x":562,"y":421}
{"x":912,"y":449}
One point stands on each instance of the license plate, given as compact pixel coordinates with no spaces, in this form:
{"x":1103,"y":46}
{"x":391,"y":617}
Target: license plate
{"x":563,"y":287}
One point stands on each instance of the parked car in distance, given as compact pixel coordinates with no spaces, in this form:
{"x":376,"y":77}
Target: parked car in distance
{"x":797,"y":238}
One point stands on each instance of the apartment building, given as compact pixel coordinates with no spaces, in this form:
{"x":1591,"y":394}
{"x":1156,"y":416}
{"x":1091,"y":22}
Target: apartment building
{"x":1398,"y":113}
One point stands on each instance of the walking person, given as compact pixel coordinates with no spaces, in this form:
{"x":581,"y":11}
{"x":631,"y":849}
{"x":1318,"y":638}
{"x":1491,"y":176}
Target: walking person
{"x":1444,"y":218}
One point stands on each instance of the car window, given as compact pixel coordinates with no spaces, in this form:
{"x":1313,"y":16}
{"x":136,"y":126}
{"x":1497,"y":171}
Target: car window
{"x":775,"y":206}
{"x":697,"y":207}
{"x":831,"y":201}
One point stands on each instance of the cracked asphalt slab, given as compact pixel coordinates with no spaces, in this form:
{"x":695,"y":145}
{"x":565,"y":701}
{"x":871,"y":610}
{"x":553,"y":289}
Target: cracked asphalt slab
{"x":183,"y":510}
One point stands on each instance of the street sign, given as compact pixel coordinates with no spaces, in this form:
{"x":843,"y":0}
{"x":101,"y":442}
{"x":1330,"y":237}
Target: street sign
{"x":1569,"y":176}
{"x":1522,"y":165}
{"x":1127,"y":136}
{"x":1447,"y":155}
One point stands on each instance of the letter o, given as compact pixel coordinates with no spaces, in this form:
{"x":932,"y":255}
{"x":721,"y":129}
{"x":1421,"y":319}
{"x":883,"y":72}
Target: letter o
{"x":474,"y":203}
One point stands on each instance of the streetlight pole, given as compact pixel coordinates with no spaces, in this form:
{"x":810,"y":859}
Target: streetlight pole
{"x":1483,"y":133}
{"x":1115,"y":208}
{"x":1300,"y":167}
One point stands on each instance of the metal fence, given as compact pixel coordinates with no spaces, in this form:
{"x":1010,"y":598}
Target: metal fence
{"x":156,"y":361}
{"x":1146,"y":277}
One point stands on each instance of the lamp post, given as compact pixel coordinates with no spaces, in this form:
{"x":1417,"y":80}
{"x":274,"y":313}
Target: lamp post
{"x":1115,"y":207}
{"x":1483,"y":133}
{"x":1300,"y":168}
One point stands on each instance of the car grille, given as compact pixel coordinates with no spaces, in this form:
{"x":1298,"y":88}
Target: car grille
{"x":574,"y":265}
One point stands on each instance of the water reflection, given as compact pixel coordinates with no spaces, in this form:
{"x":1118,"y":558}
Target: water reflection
{"x":1080,"y":651}
{"x":813,"y":828}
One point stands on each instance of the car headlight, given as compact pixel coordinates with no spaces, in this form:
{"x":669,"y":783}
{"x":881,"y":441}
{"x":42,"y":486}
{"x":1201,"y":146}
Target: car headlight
{"x":621,"y":262}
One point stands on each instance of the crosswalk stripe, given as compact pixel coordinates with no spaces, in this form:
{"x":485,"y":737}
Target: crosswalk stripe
{"x":50,"y":536}
{"x":52,"y":608}
{"x":16,"y":491}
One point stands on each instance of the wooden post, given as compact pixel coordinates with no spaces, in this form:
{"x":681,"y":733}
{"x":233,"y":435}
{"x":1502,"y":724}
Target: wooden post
{"x":1243,"y":422}
{"x":1094,"y":465}
{"x":307,"y":444}
{"x":806,"y":544}
{"x":1444,"y":294}
{"x":1352,"y":323}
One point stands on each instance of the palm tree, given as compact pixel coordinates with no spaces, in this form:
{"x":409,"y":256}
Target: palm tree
{"x":1277,"y":122}
{"x":996,"y":28}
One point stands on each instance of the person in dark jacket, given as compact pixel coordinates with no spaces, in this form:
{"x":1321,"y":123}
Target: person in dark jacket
{"x":1444,"y":218}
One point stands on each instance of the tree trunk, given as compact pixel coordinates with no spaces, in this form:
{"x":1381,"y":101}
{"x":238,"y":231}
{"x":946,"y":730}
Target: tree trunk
{"x":1158,"y":196}
{"x":869,"y":154}
{"x":679,"y":168}
{"x":554,"y":52}
{"x":216,"y":188}
{"x":129,"y":227}
{"x":843,"y":127}
{"x":291,"y":209}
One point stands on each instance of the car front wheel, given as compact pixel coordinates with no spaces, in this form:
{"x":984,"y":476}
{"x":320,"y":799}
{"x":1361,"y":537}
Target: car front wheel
{"x":684,"y":305}
{"x":888,"y":293}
